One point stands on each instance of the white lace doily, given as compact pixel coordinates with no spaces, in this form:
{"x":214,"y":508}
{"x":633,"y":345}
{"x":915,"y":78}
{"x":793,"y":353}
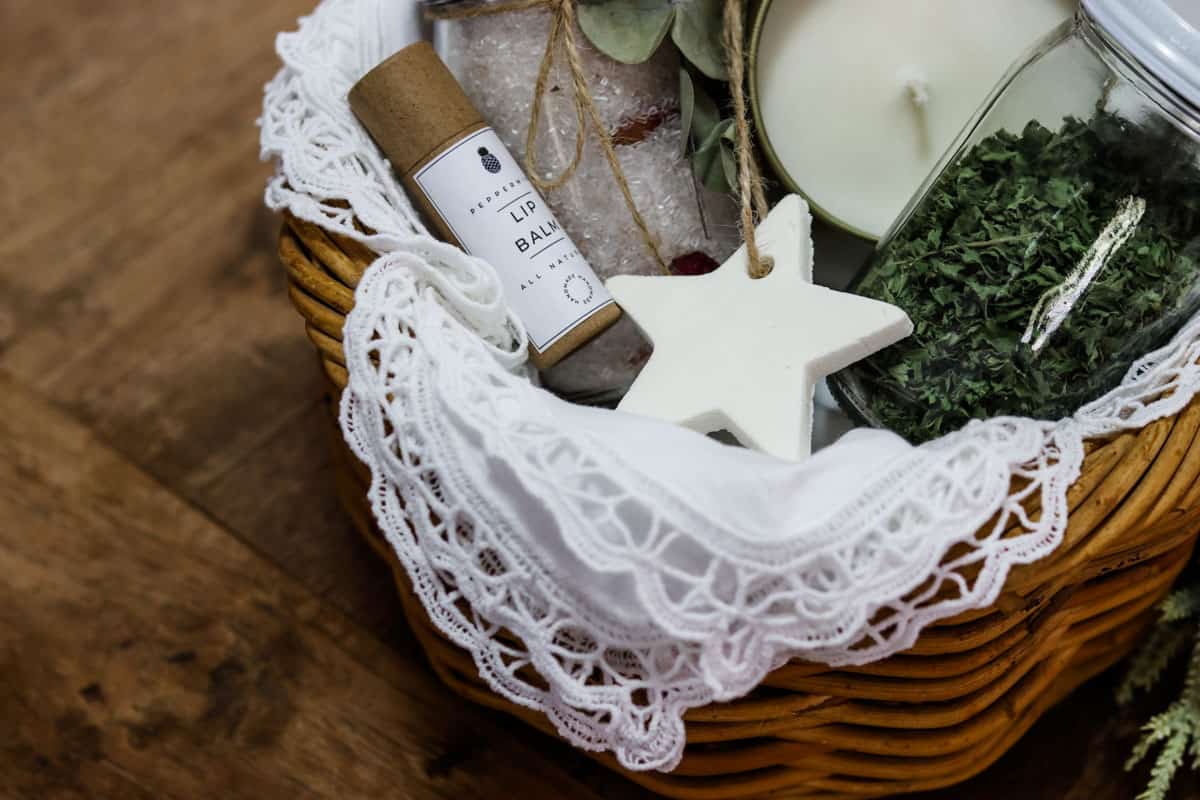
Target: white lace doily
{"x":638,"y":568}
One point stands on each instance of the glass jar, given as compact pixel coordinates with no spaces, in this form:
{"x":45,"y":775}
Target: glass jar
{"x":1059,"y":239}
{"x":639,"y":105}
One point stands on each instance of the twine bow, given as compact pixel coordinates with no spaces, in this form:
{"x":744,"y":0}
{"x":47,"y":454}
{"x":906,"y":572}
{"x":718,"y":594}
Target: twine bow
{"x":562,"y":37}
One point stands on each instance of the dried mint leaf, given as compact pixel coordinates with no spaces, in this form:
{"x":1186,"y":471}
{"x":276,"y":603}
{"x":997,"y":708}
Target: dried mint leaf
{"x":1004,"y":225}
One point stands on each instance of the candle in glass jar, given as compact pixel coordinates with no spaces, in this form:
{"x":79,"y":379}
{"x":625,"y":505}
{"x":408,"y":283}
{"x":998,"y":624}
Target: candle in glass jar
{"x":858,"y":99}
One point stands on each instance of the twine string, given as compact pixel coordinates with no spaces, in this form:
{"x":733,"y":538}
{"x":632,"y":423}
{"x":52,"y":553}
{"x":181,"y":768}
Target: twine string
{"x":560,"y":32}
{"x":750,"y":184}
{"x":562,"y":38}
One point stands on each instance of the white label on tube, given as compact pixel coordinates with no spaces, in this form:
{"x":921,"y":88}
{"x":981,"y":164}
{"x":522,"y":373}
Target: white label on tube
{"x":489,"y":205}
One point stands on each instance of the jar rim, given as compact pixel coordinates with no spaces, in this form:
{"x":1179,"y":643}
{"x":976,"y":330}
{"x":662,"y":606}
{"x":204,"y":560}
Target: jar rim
{"x":1158,"y":35}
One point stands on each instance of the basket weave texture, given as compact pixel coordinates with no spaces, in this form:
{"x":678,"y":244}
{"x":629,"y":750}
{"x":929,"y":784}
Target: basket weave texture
{"x":930,"y":717}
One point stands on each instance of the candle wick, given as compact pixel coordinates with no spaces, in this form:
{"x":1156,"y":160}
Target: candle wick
{"x":918,"y":91}
{"x":915,"y":83}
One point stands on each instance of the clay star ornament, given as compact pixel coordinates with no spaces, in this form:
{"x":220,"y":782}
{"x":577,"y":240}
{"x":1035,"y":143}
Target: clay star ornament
{"x":743,"y":355}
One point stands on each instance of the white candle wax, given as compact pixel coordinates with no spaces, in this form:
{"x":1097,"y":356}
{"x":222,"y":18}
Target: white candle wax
{"x":860,"y":98}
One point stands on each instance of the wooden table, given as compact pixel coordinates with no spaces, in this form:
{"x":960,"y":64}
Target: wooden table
{"x":184,"y":611}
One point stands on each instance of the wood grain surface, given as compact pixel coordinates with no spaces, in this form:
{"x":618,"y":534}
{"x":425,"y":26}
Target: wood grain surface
{"x":184,"y":610}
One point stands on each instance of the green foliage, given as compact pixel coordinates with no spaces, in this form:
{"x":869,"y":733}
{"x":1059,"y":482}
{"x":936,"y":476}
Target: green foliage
{"x":631,"y":31}
{"x":1151,"y":660}
{"x":628,"y":31}
{"x":698,"y":33}
{"x":1000,"y":232}
{"x":693,"y":107}
{"x":1182,"y":604}
{"x":711,"y":137}
{"x":1176,"y":730}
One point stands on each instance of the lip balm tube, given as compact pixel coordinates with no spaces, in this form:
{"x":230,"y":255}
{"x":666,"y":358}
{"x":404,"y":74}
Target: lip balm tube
{"x":476,"y":196}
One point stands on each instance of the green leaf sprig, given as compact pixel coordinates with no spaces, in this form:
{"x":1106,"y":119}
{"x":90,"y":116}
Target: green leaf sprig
{"x":631,"y":31}
{"x":1171,"y":738}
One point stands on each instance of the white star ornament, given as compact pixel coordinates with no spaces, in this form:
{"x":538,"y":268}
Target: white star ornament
{"x":740,"y":354}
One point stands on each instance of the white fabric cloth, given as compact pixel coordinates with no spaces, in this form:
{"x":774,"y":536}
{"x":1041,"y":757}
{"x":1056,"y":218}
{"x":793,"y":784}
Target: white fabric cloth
{"x":638,"y":568}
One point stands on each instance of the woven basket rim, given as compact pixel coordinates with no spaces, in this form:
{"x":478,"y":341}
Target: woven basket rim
{"x":929,"y":717}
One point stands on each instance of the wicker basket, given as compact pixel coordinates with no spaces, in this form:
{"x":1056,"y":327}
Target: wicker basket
{"x":932,"y":716}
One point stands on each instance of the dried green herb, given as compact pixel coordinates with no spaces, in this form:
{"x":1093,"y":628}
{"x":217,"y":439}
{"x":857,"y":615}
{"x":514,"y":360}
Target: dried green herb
{"x":1000,"y":232}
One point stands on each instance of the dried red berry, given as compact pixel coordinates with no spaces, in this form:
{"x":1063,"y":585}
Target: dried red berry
{"x":695,"y":263}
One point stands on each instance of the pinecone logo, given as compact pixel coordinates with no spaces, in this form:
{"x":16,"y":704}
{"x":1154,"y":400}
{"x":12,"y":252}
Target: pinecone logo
{"x":489,"y":161}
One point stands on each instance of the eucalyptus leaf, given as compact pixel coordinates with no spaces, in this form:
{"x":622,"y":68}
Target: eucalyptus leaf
{"x":729,"y":153}
{"x":705,"y":115}
{"x":687,"y":108}
{"x":697,"y":33}
{"x":628,"y":31}
{"x":729,"y":165}
{"x":709,"y":162}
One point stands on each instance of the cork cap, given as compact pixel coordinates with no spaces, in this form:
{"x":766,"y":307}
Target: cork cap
{"x":412,"y":106}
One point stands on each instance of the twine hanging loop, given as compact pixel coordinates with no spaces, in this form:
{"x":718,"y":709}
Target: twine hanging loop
{"x":750,"y":183}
